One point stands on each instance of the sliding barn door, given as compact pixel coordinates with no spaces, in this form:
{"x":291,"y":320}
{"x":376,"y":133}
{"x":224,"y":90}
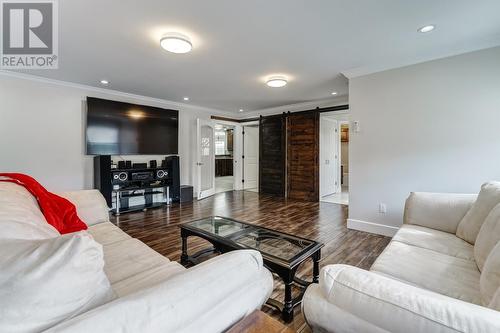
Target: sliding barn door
{"x":303,"y":156}
{"x":272,"y":154}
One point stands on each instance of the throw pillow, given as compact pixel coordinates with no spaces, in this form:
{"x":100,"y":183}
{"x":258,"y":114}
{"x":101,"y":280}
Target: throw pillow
{"x":488,"y":197}
{"x":44,"y":282}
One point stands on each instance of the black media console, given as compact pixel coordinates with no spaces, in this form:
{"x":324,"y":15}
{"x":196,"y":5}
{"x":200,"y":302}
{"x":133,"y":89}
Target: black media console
{"x":120,"y":186}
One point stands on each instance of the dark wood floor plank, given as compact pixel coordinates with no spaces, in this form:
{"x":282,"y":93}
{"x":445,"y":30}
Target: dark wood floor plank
{"x":324,"y":222}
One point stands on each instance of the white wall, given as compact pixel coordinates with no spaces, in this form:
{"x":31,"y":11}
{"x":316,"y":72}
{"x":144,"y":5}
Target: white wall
{"x":434,"y":126}
{"x":42,"y":131}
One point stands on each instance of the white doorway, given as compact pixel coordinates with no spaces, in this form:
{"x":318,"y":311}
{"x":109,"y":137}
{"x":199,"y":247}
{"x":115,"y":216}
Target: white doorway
{"x":251,"y":158}
{"x":224,"y":157}
{"x":205,"y":152}
{"x":328,"y":155}
{"x":334,"y":169}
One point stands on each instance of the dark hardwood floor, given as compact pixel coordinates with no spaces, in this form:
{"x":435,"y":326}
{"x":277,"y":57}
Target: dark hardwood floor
{"x":324,"y":222}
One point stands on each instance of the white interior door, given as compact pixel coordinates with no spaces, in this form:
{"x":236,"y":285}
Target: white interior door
{"x":205,"y":164}
{"x":329,"y":157}
{"x":251,"y":160}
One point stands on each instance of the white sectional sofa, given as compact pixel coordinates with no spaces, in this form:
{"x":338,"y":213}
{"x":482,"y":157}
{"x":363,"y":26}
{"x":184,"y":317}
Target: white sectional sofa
{"x":151,"y":293}
{"x":428,"y":279}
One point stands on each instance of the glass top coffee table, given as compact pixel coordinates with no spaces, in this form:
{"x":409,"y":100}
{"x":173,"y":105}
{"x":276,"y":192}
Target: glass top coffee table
{"x":282,"y":253}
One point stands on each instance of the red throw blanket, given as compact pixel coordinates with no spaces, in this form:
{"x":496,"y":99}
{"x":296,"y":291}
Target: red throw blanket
{"x":58,"y":211}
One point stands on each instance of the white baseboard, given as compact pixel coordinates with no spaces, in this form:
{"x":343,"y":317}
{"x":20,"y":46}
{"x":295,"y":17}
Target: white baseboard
{"x":374,"y":228}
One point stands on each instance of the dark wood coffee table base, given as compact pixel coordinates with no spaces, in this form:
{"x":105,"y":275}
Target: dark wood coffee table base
{"x":287,"y":274}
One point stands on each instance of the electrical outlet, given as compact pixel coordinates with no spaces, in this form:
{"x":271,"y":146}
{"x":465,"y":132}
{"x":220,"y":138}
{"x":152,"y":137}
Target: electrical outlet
{"x":382,"y":208}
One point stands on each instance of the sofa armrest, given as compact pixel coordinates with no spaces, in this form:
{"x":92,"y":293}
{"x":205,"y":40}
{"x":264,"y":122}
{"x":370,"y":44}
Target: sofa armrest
{"x":209,"y":297}
{"x":90,"y":205}
{"x":355,"y":298}
{"x":440,"y":211}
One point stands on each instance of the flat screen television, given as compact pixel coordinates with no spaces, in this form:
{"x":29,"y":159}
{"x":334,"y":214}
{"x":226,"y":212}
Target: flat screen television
{"x":117,"y":128}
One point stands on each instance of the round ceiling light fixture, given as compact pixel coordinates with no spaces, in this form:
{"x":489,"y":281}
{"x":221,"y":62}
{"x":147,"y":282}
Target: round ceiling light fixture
{"x":277,"y":81}
{"x":426,"y":28}
{"x":104,"y":82}
{"x":176,"y":43}
{"x":334,"y":93}
{"x":186,"y":98}
{"x":241,"y":110}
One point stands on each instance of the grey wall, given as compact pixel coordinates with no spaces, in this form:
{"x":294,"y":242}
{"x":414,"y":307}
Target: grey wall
{"x":434,"y":126}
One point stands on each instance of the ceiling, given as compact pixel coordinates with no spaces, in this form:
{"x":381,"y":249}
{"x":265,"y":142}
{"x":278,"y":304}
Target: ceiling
{"x":237,"y":44}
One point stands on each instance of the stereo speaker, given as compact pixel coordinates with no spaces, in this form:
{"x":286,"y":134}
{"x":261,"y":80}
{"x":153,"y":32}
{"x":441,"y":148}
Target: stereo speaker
{"x":102,"y":176}
{"x":172,"y":163}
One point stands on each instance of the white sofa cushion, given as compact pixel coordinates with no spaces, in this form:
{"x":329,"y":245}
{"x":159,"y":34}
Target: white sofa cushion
{"x":438,"y":211}
{"x":90,"y":205}
{"x":382,"y":304}
{"x":490,"y":280}
{"x":488,"y":236}
{"x":488,"y":197}
{"x":20,"y":215}
{"x":130,"y":257}
{"x":107,"y":233}
{"x":130,"y":264}
{"x":146,"y":279}
{"x":435,"y":240}
{"x":444,"y":274}
{"x":43,"y":282}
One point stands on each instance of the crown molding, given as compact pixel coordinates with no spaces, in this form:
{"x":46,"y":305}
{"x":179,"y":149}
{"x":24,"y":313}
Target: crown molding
{"x":413,"y":60}
{"x":112,"y":92}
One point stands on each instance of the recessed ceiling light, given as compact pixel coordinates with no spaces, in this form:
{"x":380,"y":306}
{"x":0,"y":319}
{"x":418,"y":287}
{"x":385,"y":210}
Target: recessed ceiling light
{"x":186,"y":98}
{"x":334,"y":93}
{"x":135,"y":114}
{"x":176,"y":43}
{"x":277,"y":81}
{"x":104,"y":82}
{"x":241,"y":110}
{"x":427,"y":28}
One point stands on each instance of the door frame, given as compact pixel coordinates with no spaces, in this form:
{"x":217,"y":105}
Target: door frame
{"x":340,"y":123}
{"x":201,"y":194}
{"x":248,"y":124}
{"x":237,"y":152}
{"x":334,"y":125}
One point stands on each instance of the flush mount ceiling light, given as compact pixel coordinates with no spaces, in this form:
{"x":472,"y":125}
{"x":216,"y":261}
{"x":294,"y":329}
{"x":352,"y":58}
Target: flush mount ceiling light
{"x":104,"y":82}
{"x":186,"y":98}
{"x":334,"y":93}
{"x":241,"y":110}
{"x":277,"y":81}
{"x":426,"y":28}
{"x":176,"y":43}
